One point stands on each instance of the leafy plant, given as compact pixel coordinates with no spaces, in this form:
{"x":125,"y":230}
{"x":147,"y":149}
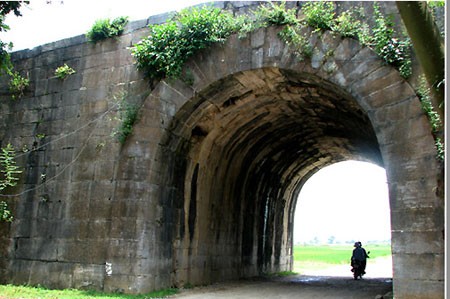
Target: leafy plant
{"x":275,"y":14}
{"x":5,"y":213}
{"x":393,"y":50}
{"x":166,"y":49}
{"x":292,"y":36}
{"x":8,"y":177}
{"x":64,"y":71}
{"x":5,"y":8}
{"x":105,"y":28}
{"x":346,"y":25}
{"x":5,"y":58}
{"x":17,"y":85}
{"x":423,"y":92}
{"x":319,"y":14}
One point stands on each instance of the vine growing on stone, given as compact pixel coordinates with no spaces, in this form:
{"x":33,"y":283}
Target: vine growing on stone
{"x":423,"y":92}
{"x":128,"y":115}
{"x":8,"y":178}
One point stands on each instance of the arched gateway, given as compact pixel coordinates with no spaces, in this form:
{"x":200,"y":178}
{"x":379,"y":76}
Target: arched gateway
{"x":205,"y":188}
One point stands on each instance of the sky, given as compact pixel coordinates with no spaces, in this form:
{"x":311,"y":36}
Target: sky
{"x":45,"y":21}
{"x":348,"y":200}
{"x":328,"y":201}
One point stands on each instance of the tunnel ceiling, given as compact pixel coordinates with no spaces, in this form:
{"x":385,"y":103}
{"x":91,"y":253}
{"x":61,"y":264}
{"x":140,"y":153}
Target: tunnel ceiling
{"x":277,"y":122}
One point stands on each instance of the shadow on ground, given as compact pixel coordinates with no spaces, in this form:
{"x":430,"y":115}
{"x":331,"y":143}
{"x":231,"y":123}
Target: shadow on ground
{"x":296,"y":286}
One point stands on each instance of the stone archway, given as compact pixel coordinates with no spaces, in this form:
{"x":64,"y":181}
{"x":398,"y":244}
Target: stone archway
{"x":257,"y":123}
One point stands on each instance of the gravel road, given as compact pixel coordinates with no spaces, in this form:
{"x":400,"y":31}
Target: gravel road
{"x":333,"y":282}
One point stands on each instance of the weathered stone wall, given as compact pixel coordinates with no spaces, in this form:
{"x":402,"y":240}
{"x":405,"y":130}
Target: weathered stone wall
{"x":205,"y":188}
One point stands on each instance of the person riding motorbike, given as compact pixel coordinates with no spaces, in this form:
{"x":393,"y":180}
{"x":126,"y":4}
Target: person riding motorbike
{"x":359,"y":260}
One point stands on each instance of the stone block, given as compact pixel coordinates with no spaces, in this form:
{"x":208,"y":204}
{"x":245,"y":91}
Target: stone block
{"x":257,"y":58}
{"x":83,"y":172}
{"x":419,"y":267}
{"x":73,"y":229}
{"x":421,"y":219}
{"x":415,"y":241}
{"x":122,"y":227}
{"x":418,"y":289}
{"x":398,"y":91}
{"x":88,"y":277}
{"x":122,"y":248}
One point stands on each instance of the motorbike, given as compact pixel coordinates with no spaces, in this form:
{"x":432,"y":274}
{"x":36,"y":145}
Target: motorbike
{"x":357,"y":269}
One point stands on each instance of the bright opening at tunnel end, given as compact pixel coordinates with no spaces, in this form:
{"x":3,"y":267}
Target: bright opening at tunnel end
{"x":343,"y":203}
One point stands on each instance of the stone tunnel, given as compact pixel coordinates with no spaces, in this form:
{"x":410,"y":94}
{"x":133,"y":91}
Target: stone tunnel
{"x":205,"y":188}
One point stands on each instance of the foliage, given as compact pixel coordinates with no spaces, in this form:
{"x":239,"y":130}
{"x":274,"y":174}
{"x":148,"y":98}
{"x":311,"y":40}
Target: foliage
{"x":8,"y":177}
{"x":292,"y":36}
{"x":275,"y":14}
{"x":28,"y":292}
{"x":347,"y":25}
{"x":435,"y":3}
{"x":164,"y":52}
{"x":105,"y":28}
{"x":393,"y":50}
{"x":5,"y":59}
{"x":5,"y":213}
{"x":17,"y":85}
{"x":319,"y":14}
{"x":64,"y":71}
{"x":166,"y":49}
{"x":5,"y":8}
{"x":423,"y":92}
{"x":128,"y":115}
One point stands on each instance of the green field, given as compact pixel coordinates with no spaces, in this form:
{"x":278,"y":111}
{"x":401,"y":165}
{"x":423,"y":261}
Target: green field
{"x":335,"y":254}
{"x":322,"y":256}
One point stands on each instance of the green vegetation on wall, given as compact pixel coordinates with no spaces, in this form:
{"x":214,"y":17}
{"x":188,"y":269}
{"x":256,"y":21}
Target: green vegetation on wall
{"x":128,"y":115}
{"x":105,"y":28}
{"x":8,"y":178}
{"x":169,"y":45}
{"x":17,"y":85}
{"x":64,"y":71}
{"x":423,"y":92}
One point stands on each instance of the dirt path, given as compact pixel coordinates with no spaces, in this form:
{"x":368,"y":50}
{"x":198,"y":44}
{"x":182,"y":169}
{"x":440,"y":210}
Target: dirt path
{"x":335,"y":282}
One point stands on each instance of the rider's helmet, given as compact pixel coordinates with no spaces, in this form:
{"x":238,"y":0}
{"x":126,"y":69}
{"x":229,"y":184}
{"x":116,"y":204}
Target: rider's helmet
{"x":357,"y":244}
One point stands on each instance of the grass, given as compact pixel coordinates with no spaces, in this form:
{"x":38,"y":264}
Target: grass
{"x":335,"y":254}
{"x":323,"y":256}
{"x":28,"y":292}
{"x":305,"y":257}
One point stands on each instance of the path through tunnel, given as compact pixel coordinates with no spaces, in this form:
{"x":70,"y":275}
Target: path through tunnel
{"x":249,"y":143}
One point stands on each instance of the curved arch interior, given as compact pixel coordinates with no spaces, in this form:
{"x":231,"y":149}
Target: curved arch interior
{"x":253,"y":139}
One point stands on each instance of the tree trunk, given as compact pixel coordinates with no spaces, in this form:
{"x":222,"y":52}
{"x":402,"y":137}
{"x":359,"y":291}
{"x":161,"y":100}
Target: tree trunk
{"x":428,"y":45}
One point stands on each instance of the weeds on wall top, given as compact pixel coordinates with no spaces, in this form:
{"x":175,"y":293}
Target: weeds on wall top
{"x":105,"y":28}
{"x":164,"y":52}
{"x":168,"y":46}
